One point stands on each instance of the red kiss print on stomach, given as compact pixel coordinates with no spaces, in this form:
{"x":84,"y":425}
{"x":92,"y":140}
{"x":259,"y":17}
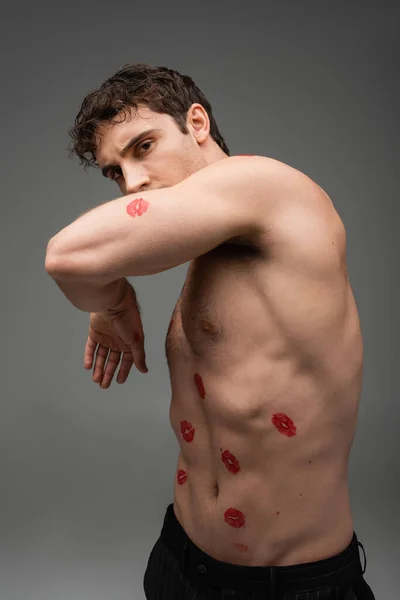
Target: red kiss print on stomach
{"x":230,"y":461}
{"x":187,"y":430}
{"x":241,"y":547}
{"x":234,"y":518}
{"x":284,"y":424}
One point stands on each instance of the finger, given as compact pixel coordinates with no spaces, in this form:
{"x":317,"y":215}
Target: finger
{"x":112,"y":363}
{"x":88,"y":355}
{"x":125,"y":368}
{"x":102,"y":353}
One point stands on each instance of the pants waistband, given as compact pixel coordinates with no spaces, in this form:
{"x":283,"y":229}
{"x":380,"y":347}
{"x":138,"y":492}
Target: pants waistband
{"x":345,"y":566}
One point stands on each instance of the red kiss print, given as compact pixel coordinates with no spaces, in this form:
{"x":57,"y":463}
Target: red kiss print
{"x":234,"y":518}
{"x":241,"y":547}
{"x":284,"y":424}
{"x":199,"y":382}
{"x":181,"y":477}
{"x":230,"y":461}
{"x":187,"y":430}
{"x":137,"y":207}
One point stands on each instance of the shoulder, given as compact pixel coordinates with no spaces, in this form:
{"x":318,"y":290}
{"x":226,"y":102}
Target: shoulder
{"x":283,"y":211}
{"x":251,"y":186}
{"x":266,"y":172}
{"x":273,"y":187}
{"x":299,"y":221}
{"x":296,"y":205}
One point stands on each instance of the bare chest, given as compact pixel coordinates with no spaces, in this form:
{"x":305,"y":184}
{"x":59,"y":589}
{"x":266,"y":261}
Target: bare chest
{"x":218,"y":301}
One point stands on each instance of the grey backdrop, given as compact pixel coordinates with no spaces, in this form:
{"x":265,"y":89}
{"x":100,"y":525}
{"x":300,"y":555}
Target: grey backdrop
{"x":86,"y":474}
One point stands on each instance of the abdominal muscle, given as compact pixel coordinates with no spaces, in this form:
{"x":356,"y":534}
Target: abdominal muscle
{"x":261,"y":478}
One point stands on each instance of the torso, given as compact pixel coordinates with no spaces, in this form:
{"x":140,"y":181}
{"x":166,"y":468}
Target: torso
{"x":266,"y":373}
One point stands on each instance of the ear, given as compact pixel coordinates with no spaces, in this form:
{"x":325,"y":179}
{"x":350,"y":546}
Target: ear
{"x":198,"y":123}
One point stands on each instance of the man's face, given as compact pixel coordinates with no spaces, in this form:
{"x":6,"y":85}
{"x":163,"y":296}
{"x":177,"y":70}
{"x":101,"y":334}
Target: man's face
{"x":159,"y":158}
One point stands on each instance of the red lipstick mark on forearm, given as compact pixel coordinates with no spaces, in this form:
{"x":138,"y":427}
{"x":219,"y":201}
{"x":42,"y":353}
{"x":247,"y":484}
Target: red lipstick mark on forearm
{"x":187,"y":430}
{"x":181,"y":477}
{"x":137,"y":207}
{"x":234,"y":518}
{"x":230,"y":461}
{"x":284,"y":424}
{"x":200,"y":386}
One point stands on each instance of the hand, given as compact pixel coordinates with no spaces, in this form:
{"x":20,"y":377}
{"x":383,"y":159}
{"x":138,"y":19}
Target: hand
{"x":120,"y":331}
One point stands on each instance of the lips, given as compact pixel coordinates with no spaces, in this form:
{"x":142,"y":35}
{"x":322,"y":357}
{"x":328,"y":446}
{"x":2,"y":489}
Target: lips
{"x":187,"y":430}
{"x":181,"y":477}
{"x":234,"y":518}
{"x":230,"y":461}
{"x":284,"y":424}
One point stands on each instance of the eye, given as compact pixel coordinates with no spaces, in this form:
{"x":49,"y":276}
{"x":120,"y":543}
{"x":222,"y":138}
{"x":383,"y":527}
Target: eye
{"x":114,"y":173}
{"x":148,"y":144}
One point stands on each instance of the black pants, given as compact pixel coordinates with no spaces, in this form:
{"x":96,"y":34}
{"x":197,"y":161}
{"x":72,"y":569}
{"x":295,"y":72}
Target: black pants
{"x":178,"y":570}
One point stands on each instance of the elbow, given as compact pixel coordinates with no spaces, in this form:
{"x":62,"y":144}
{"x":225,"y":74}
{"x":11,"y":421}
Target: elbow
{"x":51,"y":258}
{"x":52,"y":265}
{"x":55,"y":263}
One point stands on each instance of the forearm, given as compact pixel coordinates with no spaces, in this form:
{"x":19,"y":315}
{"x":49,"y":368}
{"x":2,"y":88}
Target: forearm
{"x":91,"y":297}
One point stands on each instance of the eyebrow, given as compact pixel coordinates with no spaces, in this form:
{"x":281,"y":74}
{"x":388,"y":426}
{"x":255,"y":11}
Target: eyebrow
{"x":127,"y":147}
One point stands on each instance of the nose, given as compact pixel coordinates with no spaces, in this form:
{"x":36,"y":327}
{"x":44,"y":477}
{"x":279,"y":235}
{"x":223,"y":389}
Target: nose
{"x":136,"y":181}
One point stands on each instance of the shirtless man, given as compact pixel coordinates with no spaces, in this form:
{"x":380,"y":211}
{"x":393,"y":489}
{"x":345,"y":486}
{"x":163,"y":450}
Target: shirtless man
{"x":264,"y":346}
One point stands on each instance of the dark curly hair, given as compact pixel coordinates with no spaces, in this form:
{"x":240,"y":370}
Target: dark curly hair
{"x":161,"y":89}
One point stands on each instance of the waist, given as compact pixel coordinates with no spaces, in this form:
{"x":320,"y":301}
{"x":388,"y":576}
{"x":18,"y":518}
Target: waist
{"x":343,"y":567}
{"x":254,"y":523}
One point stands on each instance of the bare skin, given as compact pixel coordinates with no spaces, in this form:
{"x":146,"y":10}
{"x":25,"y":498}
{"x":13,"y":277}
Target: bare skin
{"x":265,"y":355}
{"x":252,"y":336}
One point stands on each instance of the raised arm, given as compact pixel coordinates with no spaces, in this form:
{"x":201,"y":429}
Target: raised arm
{"x":150,"y":232}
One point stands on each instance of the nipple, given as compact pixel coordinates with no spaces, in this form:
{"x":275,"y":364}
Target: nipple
{"x":206,"y":326}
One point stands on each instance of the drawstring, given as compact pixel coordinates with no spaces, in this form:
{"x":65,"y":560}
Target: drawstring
{"x":365,"y":556}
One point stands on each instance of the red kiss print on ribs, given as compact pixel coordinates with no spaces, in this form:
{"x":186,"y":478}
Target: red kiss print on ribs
{"x":199,"y":382}
{"x":230,"y":461}
{"x":284,"y":424}
{"x":137,"y":207}
{"x":187,"y":430}
{"x":181,"y":477}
